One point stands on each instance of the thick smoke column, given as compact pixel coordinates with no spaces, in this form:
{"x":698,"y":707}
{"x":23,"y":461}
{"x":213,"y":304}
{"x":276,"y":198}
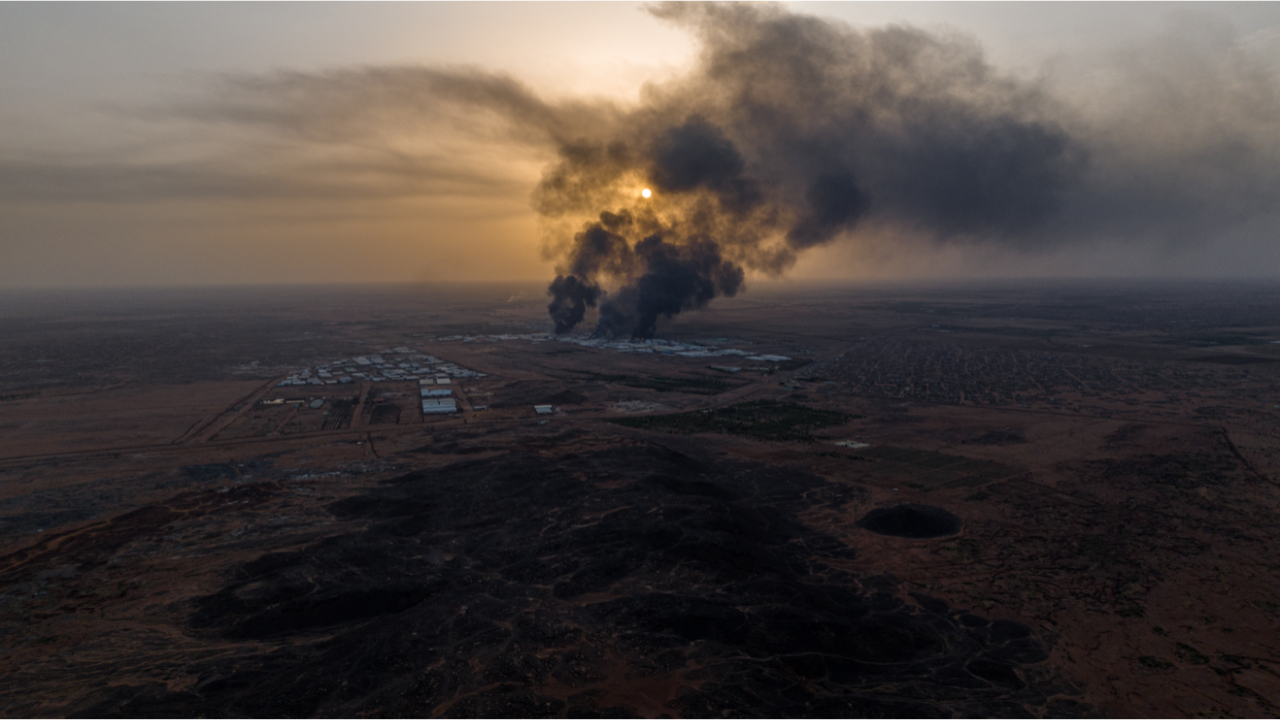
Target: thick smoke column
{"x":790,"y":132}
{"x":1158,"y":158}
{"x":1162,"y":158}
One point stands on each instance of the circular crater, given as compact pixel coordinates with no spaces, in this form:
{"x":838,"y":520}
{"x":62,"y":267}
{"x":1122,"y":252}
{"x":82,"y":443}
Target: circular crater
{"x":911,"y":521}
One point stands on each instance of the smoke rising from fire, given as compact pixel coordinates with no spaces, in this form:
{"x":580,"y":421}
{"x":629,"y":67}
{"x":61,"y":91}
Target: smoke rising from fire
{"x":878,"y":152}
{"x":790,"y":132}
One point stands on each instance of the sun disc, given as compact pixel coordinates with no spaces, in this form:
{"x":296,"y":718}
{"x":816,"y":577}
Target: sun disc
{"x":646,"y":192}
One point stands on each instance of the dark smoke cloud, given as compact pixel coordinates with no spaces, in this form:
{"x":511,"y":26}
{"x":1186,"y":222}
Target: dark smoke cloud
{"x":791,"y":132}
{"x":697,"y":155}
{"x":835,"y":202}
{"x":572,"y":298}
{"x":675,"y":278}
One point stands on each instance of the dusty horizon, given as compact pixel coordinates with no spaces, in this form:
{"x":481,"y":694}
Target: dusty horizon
{"x":250,"y":145}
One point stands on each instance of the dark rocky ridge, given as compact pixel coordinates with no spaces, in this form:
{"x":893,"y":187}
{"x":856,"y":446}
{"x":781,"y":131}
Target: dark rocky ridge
{"x":520,"y":585}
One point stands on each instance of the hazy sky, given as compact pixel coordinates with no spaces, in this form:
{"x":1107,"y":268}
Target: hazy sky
{"x":194,"y":143}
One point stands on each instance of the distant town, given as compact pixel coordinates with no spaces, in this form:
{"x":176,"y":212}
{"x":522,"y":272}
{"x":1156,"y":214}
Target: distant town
{"x":401,"y":364}
{"x":430,"y":372}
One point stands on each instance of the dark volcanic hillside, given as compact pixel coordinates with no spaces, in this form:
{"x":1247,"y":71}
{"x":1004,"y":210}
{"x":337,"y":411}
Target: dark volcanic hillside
{"x":608,"y":582}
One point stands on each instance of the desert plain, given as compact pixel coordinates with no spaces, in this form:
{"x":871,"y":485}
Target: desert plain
{"x":1052,"y":499}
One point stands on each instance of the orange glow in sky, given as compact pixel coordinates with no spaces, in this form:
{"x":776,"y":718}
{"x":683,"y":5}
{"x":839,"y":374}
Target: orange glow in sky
{"x":211,"y":143}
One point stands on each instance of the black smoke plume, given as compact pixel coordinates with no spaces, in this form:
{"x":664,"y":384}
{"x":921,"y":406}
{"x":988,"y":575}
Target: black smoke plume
{"x":790,"y":132}
{"x":572,"y":298}
{"x":675,"y":278}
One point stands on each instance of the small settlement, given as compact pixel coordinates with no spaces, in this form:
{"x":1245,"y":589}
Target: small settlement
{"x":398,"y":365}
{"x":435,"y":377}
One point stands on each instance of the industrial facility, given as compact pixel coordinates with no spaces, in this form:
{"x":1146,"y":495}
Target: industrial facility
{"x":401,"y":364}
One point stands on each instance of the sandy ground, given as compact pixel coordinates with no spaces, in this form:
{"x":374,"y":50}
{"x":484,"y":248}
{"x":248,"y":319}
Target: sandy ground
{"x":1118,"y":483}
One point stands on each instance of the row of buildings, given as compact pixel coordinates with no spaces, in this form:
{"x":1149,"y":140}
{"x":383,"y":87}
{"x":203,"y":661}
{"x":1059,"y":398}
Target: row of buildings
{"x":401,"y":364}
{"x":410,"y":365}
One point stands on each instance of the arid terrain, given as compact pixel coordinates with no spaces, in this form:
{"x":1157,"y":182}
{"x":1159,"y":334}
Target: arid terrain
{"x":1053,"y":500}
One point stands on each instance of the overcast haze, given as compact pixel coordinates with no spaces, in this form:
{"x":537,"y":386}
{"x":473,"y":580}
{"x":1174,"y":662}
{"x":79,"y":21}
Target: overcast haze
{"x":163,"y":144}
